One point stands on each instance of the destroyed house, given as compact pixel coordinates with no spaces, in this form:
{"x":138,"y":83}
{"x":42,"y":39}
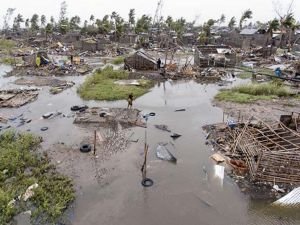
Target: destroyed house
{"x":141,"y":61}
{"x":272,"y":152}
{"x":254,"y":37}
{"x":214,"y":56}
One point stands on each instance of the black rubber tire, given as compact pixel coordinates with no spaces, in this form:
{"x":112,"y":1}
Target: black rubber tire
{"x":147,"y":182}
{"x":103,"y":114}
{"x":78,"y":108}
{"x":47,"y":115}
{"x":44,"y":128}
{"x":152,"y":114}
{"x":85,"y":148}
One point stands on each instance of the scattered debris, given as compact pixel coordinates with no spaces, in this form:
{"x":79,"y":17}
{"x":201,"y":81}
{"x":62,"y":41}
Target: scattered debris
{"x":162,"y":127}
{"x":180,"y":110}
{"x":29,"y":192}
{"x":163,"y":153}
{"x":124,"y":117}
{"x":175,"y":136}
{"x":218,"y":158}
{"x":17,"y":97}
{"x":44,"y":128}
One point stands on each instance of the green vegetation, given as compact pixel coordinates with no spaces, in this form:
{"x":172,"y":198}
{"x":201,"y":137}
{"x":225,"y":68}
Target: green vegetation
{"x":21,"y":167}
{"x":118,"y":60}
{"x":6,"y":44}
{"x":253,"y":92}
{"x":247,"y":73}
{"x":10,"y":60}
{"x":101,"y":86}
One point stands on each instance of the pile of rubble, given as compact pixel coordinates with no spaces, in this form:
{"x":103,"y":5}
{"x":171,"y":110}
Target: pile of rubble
{"x":17,"y":97}
{"x":264,"y":153}
{"x":57,"y":85}
{"x":108,"y":117}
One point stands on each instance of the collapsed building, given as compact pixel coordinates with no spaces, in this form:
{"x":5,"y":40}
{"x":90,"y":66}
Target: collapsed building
{"x":215,"y":56}
{"x":140,"y":61}
{"x":17,"y":97}
{"x":271,"y":152}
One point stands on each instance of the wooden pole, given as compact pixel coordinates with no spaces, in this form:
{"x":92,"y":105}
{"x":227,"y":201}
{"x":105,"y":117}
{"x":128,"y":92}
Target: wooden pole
{"x":95,"y":137}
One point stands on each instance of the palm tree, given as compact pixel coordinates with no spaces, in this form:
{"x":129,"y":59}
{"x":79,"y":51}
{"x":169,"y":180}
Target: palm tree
{"x":273,"y":25}
{"x":289,"y":24}
{"x":34,"y":22}
{"x":27,"y":23}
{"x":43,"y":21}
{"x":52,"y":20}
{"x":246,"y":15}
{"x":131,"y":19}
{"x":92,"y":18}
{"x":221,"y":20}
{"x":17,"y":22}
{"x":74,"y":22}
{"x":169,"y":22}
{"x":48,"y":30}
{"x":232,"y":23}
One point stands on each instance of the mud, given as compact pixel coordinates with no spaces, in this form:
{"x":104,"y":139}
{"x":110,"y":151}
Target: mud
{"x":269,"y":111}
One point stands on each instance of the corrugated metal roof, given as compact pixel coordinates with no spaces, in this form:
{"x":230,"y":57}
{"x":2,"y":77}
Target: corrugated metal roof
{"x":146,"y":56}
{"x":249,"y":31}
{"x":292,"y":199}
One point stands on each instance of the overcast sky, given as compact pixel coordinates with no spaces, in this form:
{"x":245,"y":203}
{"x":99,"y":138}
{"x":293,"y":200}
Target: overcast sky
{"x":263,"y":10}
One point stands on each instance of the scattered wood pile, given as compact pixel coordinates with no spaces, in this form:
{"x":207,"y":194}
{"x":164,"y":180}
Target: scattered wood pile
{"x":57,"y":85}
{"x":268,"y":153}
{"x":272,"y":152}
{"x":16,"y":98}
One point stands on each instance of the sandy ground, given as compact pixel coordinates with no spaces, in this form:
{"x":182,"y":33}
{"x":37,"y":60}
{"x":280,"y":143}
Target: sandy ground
{"x":265,"y":110}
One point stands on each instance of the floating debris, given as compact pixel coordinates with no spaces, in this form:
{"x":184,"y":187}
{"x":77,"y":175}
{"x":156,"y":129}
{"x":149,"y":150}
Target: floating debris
{"x":162,"y":127}
{"x":163,"y":153}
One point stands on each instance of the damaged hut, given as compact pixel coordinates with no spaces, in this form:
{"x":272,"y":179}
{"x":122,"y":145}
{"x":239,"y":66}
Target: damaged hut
{"x":215,"y":56}
{"x":272,"y":152}
{"x":141,"y":61}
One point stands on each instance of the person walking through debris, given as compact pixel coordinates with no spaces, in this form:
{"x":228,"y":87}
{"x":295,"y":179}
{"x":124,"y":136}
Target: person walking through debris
{"x":130,"y":100}
{"x":158,"y":63}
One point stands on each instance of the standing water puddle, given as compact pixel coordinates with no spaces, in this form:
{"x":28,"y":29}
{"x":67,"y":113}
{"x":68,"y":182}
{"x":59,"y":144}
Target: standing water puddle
{"x":184,"y":193}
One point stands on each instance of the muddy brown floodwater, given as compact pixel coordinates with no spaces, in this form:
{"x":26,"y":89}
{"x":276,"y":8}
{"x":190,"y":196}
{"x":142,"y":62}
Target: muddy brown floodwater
{"x":184,"y":193}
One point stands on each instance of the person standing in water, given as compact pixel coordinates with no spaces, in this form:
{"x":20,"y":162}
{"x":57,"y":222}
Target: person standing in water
{"x":130,"y":101}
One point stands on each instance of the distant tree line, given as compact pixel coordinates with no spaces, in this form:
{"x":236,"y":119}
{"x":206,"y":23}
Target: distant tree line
{"x":117,"y":25}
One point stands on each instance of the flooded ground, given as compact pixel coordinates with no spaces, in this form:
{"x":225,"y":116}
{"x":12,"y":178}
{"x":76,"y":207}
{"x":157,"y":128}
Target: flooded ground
{"x":184,"y":193}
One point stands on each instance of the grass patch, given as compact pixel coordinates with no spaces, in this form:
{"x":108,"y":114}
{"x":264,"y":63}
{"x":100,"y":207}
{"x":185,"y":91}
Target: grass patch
{"x":252,"y":92}
{"x":101,"y":86}
{"x":245,"y":75}
{"x":11,"y":60}
{"x":247,"y":72}
{"x":21,"y":167}
{"x":6,"y":44}
{"x":118,"y":60}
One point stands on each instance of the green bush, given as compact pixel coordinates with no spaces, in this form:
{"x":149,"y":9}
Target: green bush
{"x":18,"y":154}
{"x":118,"y":60}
